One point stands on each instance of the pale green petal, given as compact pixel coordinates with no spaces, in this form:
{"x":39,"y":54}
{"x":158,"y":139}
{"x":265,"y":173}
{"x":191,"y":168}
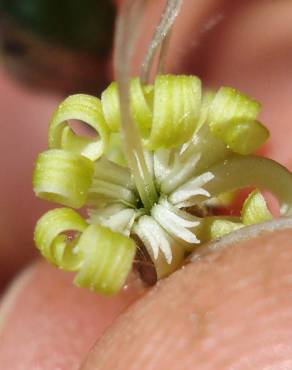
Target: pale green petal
{"x":232,"y":118}
{"x":55,"y":246}
{"x":140,"y":108}
{"x":111,"y":107}
{"x":230,"y":105}
{"x":217,"y":226}
{"x":255,"y":209}
{"x":245,"y":137}
{"x":108,"y":258}
{"x":176,"y":110}
{"x":87,"y":109}
{"x":62,"y":177}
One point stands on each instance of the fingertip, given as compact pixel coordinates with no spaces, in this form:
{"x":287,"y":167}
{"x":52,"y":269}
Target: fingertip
{"x":228,"y":310}
{"x":47,"y":323}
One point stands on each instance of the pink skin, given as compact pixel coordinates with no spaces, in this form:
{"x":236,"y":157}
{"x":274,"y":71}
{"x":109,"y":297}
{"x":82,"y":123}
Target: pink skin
{"x":24,"y":119}
{"x":230,"y":310}
{"x":61,"y":322}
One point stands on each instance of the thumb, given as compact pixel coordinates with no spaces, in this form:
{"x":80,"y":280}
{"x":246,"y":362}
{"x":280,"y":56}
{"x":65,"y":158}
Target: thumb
{"x":229,"y":310}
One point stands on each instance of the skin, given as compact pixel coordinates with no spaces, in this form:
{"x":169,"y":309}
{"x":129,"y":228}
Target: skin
{"x":228,"y":310}
{"x":20,"y":141}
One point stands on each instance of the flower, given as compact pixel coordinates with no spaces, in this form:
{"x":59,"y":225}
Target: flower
{"x":142,"y":183}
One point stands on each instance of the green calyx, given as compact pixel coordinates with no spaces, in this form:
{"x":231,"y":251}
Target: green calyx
{"x":149,"y":175}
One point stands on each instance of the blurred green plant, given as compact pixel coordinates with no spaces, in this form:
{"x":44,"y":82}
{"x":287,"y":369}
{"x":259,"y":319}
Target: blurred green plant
{"x":67,"y":40}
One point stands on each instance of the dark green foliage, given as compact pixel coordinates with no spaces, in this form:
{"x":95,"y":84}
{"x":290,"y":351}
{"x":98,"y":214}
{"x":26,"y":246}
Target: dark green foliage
{"x":76,"y":24}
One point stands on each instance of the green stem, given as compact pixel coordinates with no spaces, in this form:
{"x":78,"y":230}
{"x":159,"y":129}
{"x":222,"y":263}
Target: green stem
{"x":127,"y":28}
{"x":135,"y":153}
{"x":167,"y":19}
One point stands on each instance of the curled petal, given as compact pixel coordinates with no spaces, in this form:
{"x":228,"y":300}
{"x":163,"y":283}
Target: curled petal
{"x":255,"y":209}
{"x":215,"y":227}
{"x":53,"y":243}
{"x":139,"y":105}
{"x":87,"y":109}
{"x":62,"y":177}
{"x":232,"y":118}
{"x":107,"y":259}
{"x":176,"y":109}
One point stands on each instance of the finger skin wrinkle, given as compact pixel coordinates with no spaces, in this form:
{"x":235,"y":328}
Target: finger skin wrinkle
{"x":227,"y":310}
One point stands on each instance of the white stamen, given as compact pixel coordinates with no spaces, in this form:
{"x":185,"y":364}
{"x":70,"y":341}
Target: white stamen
{"x":179,"y":174}
{"x":175,"y":218}
{"x":168,"y":221}
{"x":119,"y":220}
{"x":122,"y":221}
{"x":154,"y":237}
{"x":191,"y":189}
{"x":182,"y":214}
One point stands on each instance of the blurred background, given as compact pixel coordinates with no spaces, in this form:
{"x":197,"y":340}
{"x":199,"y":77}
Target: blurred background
{"x":48,"y":49}
{"x":52,"y":48}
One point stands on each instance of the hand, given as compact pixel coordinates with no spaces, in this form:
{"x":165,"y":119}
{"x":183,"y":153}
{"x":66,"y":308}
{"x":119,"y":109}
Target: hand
{"x":231,"y":309}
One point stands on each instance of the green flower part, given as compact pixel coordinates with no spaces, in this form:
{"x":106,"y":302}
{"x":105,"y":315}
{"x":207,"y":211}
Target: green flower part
{"x":192,"y":165}
{"x":63,"y":177}
{"x":85,"y":108}
{"x":164,"y":157}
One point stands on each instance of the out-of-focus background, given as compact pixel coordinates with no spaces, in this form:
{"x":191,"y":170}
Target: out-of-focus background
{"x":52,"y":48}
{"x":48,"y":49}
